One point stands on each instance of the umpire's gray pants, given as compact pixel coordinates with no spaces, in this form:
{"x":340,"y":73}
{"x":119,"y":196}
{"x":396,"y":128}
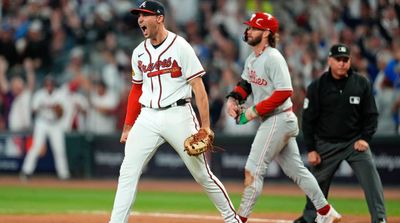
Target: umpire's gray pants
{"x":332,"y":154}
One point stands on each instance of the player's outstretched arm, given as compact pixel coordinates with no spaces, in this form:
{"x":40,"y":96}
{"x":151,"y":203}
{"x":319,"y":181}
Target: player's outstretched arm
{"x":201,"y":101}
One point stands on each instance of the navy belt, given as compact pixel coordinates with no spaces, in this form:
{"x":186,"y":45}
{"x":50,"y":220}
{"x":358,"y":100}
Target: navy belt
{"x":180,"y":102}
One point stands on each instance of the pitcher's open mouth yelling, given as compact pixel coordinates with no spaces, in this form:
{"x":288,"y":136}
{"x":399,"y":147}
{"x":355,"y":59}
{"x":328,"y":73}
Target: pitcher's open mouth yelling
{"x":145,"y":30}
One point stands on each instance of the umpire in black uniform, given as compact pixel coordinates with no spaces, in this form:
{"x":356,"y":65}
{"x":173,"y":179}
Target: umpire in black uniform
{"x":339,"y":119}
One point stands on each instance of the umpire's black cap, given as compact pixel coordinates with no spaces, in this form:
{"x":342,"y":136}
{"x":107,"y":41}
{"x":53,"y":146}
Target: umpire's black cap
{"x":339,"y":50}
{"x":151,"y":7}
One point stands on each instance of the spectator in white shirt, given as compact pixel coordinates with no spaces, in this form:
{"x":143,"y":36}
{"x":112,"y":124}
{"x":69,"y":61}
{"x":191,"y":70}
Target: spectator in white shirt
{"x":101,"y":116}
{"x":75,"y":113}
{"x":20,"y":116}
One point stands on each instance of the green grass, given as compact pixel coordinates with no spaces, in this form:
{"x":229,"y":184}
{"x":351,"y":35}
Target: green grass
{"x":48,"y":200}
{"x":22,"y":200}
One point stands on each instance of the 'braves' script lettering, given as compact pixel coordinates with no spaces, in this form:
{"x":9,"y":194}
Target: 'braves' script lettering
{"x":161,"y":67}
{"x":256,"y":80}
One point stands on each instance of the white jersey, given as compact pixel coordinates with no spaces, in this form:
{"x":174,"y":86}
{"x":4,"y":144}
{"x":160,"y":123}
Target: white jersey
{"x":77,"y":105}
{"x":165,"y":71}
{"x":99,"y":122}
{"x":42,"y":103}
{"x":267,"y":73}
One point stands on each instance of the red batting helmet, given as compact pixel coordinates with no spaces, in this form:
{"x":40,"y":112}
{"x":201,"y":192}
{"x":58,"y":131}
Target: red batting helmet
{"x":264,"y":21}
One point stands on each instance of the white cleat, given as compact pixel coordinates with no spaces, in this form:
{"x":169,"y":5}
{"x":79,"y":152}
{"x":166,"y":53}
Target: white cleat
{"x":331,"y":217}
{"x":382,"y":220}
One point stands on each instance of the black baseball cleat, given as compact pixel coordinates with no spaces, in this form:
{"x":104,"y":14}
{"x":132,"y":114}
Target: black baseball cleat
{"x":301,"y":220}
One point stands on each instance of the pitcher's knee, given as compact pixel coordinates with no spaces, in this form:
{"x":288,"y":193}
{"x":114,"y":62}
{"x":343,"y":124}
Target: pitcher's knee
{"x":129,"y":170}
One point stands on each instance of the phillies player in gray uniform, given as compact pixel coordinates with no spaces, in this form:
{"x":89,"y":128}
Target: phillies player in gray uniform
{"x":267,"y":77}
{"x":165,"y":72}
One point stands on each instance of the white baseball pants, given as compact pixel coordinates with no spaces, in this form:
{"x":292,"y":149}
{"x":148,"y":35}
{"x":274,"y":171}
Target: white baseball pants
{"x":56,"y":136}
{"x":153,"y":128}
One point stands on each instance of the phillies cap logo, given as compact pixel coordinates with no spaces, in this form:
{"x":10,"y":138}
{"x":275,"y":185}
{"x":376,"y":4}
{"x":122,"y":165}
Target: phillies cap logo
{"x":258,"y":22}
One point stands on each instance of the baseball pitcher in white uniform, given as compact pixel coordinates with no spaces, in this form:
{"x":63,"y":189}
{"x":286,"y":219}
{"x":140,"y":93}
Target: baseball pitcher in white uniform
{"x":266,"y":76}
{"x":165,"y":71}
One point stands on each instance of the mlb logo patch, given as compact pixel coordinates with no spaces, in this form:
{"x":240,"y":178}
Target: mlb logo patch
{"x":355,"y":100}
{"x":342,"y":49}
{"x":305,"y":104}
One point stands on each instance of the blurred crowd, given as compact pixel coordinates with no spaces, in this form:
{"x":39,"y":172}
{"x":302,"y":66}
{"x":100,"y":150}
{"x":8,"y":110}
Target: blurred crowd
{"x":85,"y":46}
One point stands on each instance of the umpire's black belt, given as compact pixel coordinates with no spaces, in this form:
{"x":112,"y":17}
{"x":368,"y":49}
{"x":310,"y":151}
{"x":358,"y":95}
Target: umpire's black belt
{"x":179,"y":102}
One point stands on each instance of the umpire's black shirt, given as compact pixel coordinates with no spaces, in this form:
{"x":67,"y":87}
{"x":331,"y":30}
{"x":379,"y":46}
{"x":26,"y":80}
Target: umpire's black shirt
{"x":339,"y":110}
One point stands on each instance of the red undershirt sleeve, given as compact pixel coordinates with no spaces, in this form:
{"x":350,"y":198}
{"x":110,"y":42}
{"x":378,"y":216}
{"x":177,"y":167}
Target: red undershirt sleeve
{"x":271,"y":103}
{"x":133,"y":108}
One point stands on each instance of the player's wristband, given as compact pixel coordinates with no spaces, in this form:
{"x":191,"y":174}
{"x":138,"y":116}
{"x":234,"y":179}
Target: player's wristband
{"x":241,"y":120}
{"x":255,"y":110}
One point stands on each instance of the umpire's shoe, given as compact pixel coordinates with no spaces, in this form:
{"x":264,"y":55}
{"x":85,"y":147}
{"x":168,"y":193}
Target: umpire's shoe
{"x":301,"y":220}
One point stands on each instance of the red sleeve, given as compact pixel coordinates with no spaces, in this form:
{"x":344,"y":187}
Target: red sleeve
{"x":133,"y":108}
{"x":271,"y":103}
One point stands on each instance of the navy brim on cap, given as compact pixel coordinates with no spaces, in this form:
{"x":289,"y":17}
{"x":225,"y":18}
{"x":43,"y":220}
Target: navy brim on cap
{"x":137,"y":11}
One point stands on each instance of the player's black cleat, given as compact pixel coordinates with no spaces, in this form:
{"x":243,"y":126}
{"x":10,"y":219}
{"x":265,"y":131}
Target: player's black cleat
{"x":301,"y":220}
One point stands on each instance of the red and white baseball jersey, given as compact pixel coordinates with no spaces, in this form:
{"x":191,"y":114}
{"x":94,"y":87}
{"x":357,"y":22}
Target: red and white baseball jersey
{"x":165,"y":70}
